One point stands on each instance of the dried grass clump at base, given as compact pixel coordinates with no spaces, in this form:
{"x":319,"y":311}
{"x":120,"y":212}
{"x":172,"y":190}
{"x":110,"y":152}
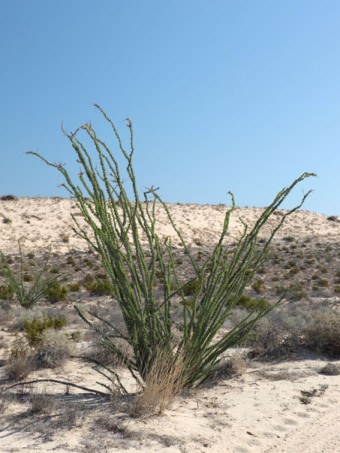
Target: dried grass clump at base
{"x":164,"y":380}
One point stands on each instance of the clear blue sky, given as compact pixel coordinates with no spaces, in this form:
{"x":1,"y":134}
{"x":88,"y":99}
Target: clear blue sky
{"x":223,"y":94}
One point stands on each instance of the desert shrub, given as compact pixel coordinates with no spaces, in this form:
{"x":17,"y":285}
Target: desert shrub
{"x":235,"y":365}
{"x":322,"y":334}
{"x":98,"y":287}
{"x":70,"y":260}
{"x":35,"y":328}
{"x":74,"y":287}
{"x":54,"y":270}
{"x":191,"y":288}
{"x":55,"y":292}
{"x":258,"y":286}
{"x":40,"y":403}
{"x":8,"y":198}
{"x":20,"y":362}
{"x":27,"y":295}
{"x":289,"y":239}
{"x":53,"y":349}
{"x":283,"y":332}
{"x":331,"y":369}
{"x":293,"y":292}
{"x":126,"y":238}
{"x":319,"y":281}
{"x":270,"y":339}
{"x":6,"y":292}
{"x":251,"y":304}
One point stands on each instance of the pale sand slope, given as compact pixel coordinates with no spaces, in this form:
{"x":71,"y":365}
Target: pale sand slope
{"x":260,"y":411}
{"x":47,"y":222}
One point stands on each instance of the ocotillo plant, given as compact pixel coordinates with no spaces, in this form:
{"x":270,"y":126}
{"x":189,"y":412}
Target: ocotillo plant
{"x":119,"y":223}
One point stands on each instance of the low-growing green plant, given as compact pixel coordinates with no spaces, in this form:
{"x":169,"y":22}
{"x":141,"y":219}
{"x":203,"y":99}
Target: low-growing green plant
{"x":74,"y":287}
{"x":55,"y":292}
{"x":70,"y":260}
{"x":34,"y":328}
{"x":98,"y":287}
{"x":55,"y":270}
{"x":126,"y":238}
{"x":6,"y":292}
{"x":258,"y":286}
{"x":191,"y":288}
{"x":251,"y":304}
{"x":27,"y":295}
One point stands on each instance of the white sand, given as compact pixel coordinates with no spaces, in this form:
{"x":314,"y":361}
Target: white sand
{"x":256,"y":412}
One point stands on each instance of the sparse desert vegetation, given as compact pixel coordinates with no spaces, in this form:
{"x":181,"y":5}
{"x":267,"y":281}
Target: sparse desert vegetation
{"x":179,"y":325}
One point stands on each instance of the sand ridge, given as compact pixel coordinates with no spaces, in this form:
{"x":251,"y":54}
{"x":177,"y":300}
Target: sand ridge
{"x":260,"y":411}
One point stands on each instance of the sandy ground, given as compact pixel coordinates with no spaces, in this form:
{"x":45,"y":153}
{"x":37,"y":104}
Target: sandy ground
{"x":282,"y":406}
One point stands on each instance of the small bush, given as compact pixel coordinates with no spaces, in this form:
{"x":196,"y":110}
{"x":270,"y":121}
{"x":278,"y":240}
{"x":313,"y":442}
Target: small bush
{"x":8,"y":198}
{"x":53,"y":349}
{"x":6,"y":220}
{"x":34,"y":329}
{"x":40,"y":403}
{"x":289,"y":239}
{"x":27,"y":295}
{"x":191,"y":288}
{"x":235,"y":365}
{"x":56,"y":292}
{"x":70,"y":260}
{"x":323,"y":333}
{"x":252,"y":304}
{"x":54,"y":270}
{"x":258,"y":286}
{"x":20,"y":363}
{"x":6,"y":292}
{"x":331,"y":369}
{"x":98,"y":287}
{"x":74,"y":287}
{"x":270,"y":339}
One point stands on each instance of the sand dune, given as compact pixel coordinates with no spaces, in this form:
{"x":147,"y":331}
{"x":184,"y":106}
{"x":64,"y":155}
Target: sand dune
{"x":262,"y":410}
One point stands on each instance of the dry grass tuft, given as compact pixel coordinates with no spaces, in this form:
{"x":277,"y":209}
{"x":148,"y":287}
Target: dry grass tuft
{"x":165,"y":379}
{"x":20,"y":362}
